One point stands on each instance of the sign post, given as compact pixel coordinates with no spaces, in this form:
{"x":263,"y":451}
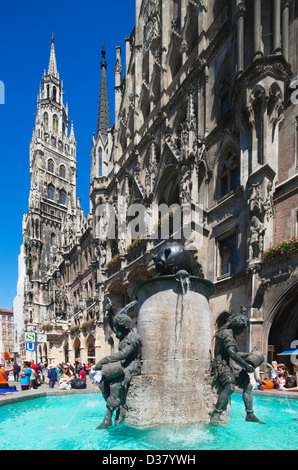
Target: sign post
{"x":30,"y":347}
{"x":30,"y":337}
{"x":41,"y":338}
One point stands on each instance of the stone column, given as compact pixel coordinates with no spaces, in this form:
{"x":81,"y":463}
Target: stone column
{"x":206,"y":100}
{"x":285,"y":29}
{"x":276,"y":28}
{"x":71,"y":353}
{"x":257,"y":29}
{"x":240,"y":36}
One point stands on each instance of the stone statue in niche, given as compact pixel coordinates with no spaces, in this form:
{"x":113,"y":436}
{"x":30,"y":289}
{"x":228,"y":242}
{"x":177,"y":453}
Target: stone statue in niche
{"x":118,"y":369}
{"x":231,"y":367}
{"x":256,"y":204}
{"x":269,"y":206}
{"x":185,"y":185}
{"x":152,"y":24}
{"x":257,"y":208}
{"x":257,"y":231}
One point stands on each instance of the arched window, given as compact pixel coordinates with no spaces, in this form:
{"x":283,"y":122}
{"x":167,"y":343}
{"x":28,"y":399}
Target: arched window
{"x":177,"y":14}
{"x":228,"y":255}
{"x":54,"y":93}
{"x":224,"y":180}
{"x":51,"y":192}
{"x":229,"y":174}
{"x":62,"y":171}
{"x":145,"y":107}
{"x":53,"y":239}
{"x":51,"y":166}
{"x":46,"y":120}
{"x":191,"y":35}
{"x":100,"y":163}
{"x":55,"y":123}
{"x":156,"y":87}
{"x":62,"y":197}
{"x":175,"y":61}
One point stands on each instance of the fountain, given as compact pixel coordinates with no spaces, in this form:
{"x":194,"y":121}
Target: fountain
{"x":164,"y":373}
{"x":174,"y":322}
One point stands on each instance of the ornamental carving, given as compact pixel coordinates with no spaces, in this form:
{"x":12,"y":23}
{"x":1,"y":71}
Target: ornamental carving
{"x":152,"y":23}
{"x":257,"y":212}
{"x":185,"y":186}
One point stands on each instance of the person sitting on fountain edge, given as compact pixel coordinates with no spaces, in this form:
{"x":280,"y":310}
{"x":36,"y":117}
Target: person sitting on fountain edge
{"x":120,"y":367}
{"x":230,"y":368}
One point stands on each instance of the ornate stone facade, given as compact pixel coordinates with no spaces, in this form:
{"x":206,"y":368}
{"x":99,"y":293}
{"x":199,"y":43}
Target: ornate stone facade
{"x":204,"y":117}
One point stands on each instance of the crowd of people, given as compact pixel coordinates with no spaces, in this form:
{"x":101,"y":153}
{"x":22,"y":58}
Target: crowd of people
{"x":64,"y":375}
{"x":67,"y":376}
{"x":279,"y":378}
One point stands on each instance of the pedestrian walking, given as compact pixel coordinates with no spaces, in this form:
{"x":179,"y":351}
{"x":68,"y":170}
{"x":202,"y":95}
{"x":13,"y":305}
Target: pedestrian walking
{"x":52,"y":375}
{"x":16,"y":371}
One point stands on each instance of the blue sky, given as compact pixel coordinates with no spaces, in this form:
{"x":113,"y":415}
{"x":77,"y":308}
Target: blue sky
{"x":80,"y":29}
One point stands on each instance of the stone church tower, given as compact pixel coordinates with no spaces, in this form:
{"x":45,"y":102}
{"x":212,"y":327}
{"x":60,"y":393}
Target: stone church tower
{"x":101,"y":142}
{"x":50,"y":221}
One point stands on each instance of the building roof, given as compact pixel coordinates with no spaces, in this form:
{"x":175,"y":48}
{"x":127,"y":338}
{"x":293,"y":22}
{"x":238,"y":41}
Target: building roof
{"x":5,"y":310}
{"x":52,"y":69}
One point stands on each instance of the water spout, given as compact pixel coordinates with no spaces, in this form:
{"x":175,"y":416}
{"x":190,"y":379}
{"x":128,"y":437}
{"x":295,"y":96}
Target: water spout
{"x":274,"y":374}
{"x":183,"y":277}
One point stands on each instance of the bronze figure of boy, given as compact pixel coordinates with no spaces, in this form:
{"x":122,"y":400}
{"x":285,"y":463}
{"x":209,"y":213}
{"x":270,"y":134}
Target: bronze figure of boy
{"x":119,"y":368}
{"x":231,"y":367}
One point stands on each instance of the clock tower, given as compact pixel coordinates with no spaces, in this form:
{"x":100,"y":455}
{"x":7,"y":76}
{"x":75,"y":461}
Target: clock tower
{"x":53,"y":210}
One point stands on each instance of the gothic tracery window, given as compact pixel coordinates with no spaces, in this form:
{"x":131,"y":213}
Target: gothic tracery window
{"x":100,"y":163}
{"x":51,"y":192}
{"x":229,"y":174}
{"x":62,"y":197}
{"x":55,"y":124}
{"x":62,"y":171}
{"x":51,"y":166}
{"x":228,"y":255}
{"x":46,"y":120}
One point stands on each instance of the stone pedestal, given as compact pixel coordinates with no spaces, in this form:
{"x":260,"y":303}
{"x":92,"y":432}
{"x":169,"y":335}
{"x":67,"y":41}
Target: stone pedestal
{"x":175,"y":326}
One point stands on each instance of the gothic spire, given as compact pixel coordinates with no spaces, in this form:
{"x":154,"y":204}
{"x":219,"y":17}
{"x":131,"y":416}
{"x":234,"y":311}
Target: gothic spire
{"x":52,"y":69}
{"x":103,"y":122}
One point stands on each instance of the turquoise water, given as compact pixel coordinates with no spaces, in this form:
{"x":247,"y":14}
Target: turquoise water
{"x":69,"y":423}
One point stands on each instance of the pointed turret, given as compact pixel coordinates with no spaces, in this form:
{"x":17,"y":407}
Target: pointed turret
{"x":52,"y":69}
{"x":103,"y":122}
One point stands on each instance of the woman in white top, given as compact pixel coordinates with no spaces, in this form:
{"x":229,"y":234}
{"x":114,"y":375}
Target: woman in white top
{"x":65,"y":378}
